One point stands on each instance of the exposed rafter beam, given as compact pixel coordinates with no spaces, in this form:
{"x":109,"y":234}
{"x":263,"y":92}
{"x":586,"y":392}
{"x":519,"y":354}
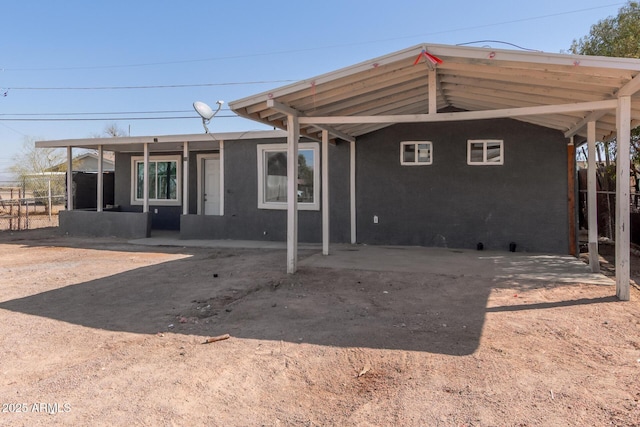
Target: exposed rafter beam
{"x":285,"y":109}
{"x":630,"y":88}
{"x":593,"y":117}
{"x":466,"y":115}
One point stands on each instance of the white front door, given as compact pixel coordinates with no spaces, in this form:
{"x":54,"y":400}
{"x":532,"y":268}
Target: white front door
{"x":211,"y":188}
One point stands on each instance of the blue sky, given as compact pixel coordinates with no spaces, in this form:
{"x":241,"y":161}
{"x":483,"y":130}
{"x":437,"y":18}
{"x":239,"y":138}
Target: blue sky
{"x":229,"y":46}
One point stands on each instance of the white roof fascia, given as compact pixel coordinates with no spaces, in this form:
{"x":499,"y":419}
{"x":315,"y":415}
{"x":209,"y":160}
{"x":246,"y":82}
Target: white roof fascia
{"x":201,"y":137}
{"x":534,"y":57}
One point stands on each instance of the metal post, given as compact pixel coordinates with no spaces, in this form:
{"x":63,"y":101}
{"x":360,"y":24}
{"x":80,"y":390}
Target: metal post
{"x":100,"y":182}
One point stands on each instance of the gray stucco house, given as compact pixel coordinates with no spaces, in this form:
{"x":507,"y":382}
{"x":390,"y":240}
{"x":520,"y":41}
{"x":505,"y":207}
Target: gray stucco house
{"x":432,"y":145}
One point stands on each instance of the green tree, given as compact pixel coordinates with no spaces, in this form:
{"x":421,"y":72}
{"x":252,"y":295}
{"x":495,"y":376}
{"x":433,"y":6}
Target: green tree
{"x":617,"y":36}
{"x":613,"y":36}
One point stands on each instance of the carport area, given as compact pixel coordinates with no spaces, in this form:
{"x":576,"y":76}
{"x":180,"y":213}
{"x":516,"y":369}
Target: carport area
{"x":494,"y":265}
{"x":516,"y":267}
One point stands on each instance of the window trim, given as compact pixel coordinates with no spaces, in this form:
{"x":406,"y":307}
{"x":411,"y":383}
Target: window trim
{"x":484,"y":143}
{"x":157,"y":202}
{"x":416,"y":162}
{"x":267,"y":148}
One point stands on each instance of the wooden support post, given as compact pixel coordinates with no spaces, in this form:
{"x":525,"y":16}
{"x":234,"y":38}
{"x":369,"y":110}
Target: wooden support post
{"x":69,"y":178}
{"x":100,"y":185}
{"x":352,"y":190}
{"x":325,"y":192}
{"x":185,"y":178}
{"x":293,"y":132}
{"x":592,"y":198}
{"x":623,"y":172}
{"x":145,"y":179}
{"x":571,"y":193}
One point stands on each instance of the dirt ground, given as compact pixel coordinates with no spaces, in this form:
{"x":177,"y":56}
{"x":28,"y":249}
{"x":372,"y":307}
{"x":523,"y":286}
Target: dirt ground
{"x":101,"y":332}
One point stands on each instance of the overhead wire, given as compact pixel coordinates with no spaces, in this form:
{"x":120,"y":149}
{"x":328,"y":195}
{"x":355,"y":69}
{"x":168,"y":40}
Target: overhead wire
{"x":173,"y":86}
{"x":308,"y":49}
{"x":88,"y":119}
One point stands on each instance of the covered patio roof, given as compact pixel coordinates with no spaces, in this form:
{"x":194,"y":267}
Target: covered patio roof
{"x":160,"y":143}
{"x":594,"y":98}
{"x":558,"y":91}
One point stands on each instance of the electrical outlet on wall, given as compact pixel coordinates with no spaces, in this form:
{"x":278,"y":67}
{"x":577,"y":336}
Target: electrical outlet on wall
{"x":155,"y":211}
{"x":375,"y":219}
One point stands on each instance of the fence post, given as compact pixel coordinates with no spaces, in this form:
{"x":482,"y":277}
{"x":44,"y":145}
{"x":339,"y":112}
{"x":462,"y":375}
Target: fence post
{"x":26,"y":220}
{"x":19,"y":207}
{"x":11,"y":209}
{"x":49,"y":194}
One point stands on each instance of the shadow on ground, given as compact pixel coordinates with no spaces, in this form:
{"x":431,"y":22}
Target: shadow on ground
{"x":247,"y":294}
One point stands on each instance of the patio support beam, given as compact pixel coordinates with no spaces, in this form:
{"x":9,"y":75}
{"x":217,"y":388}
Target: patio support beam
{"x":592,"y":117}
{"x":293,"y":136}
{"x":623,"y":171}
{"x":465,"y":115}
{"x":100,"y":186}
{"x":592,"y":198}
{"x":352,"y":190}
{"x":433,"y":91}
{"x":69,"y":178}
{"x":631,"y":87}
{"x":145,"y":179}
{"x":185,"y":178}
{"x":325,"y":192}
{"x":285,"y":109}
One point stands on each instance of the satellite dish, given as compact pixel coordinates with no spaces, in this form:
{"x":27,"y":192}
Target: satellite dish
{"x":206,"y":112}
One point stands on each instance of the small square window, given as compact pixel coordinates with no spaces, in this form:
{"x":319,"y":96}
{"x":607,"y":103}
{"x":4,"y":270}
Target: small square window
{"x":414,"y":153}
{"x":485,"y":152}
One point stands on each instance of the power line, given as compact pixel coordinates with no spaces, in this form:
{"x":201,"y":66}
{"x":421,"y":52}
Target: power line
{"x":88,"y":119}
{"x":151,"y":86}
{"x":84,"y":113}
{"x":284,"y":52}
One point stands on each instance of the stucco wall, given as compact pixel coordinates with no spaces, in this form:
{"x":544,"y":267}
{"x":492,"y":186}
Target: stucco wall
{"x":243,"y":220}
{"x":105,"y":224}
{"x":452,"y":204}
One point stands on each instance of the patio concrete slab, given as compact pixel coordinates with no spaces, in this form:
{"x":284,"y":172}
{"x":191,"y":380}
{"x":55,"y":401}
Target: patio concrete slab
{"x":172,"y":239}
{"x":488,"y":264}
{"x":515,"y":266}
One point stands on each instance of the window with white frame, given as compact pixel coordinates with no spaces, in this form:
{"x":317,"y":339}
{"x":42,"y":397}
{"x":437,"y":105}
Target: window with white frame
{"x":164,"y":180}
{"x":485,"y":152}
{"x":415,"y":153}
{"x":272,"y":176}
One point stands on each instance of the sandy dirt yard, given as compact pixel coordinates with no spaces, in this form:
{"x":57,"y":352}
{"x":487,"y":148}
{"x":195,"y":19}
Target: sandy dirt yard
{"x":101,"y":332}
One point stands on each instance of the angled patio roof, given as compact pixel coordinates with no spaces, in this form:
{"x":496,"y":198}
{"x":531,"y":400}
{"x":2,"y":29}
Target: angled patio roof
{"x":557,"y":91}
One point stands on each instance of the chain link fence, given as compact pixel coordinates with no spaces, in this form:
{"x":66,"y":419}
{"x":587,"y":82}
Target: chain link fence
{"x":33,"y":202}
